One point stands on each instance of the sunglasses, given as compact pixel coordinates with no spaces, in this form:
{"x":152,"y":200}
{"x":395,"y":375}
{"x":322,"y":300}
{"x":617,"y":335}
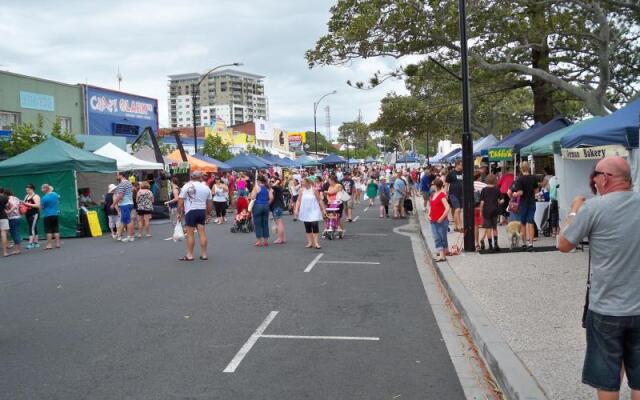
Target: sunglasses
{"x":596,"y":173}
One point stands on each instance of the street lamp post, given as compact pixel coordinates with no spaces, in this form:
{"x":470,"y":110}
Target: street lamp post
{"x":315,"y":109}
{"x":467,"y":146}
{"x":195,"y":87}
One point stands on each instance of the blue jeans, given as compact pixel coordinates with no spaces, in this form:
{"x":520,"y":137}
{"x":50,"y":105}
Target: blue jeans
{"x":261,"y":220}
{"x":439,"y":231}
{"x":14,"y":230}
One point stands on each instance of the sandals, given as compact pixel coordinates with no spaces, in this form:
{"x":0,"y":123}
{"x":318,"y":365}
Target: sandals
{"x":185,"y":258}
{"x":204,"y":258}
{"x":318,"y":247}
{"x":308,"y":246}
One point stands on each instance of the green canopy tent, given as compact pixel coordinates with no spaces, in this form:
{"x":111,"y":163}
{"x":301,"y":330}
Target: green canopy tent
{"x":64,"y":167}
{"x":545,"y":146}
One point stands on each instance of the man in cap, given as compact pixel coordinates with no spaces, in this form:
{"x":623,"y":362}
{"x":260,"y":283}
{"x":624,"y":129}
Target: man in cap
{"x":123,"y":201}
{"x":610,"y":221}
{"x":194,"y":208}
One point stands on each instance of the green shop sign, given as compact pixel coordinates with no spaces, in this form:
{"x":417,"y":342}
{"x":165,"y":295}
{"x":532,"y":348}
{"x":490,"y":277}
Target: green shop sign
{"x":501,"y":154}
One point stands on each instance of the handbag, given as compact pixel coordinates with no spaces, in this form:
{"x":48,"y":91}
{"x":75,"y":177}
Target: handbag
{"x":23,"y":209}
{"x":251,"y":203}
{"x":585,"y":310}
{"x":343,"y":196}
{"x":514,"y":205}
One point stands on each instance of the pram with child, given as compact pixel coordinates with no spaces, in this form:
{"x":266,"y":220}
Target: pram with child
{"x":242,"y":221}
{"x":332,"y":228}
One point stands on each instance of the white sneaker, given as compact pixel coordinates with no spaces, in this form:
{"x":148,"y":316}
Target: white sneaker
{"x":113,"y":236}
{"x":132,"y":239}
{"x":118,"y":238}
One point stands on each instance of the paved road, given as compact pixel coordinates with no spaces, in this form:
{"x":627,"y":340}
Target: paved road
{"x":105,"y":320}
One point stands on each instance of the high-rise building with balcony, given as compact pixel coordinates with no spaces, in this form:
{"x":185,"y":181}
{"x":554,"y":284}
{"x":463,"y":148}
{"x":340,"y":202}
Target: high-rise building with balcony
{"x":231,"y":95}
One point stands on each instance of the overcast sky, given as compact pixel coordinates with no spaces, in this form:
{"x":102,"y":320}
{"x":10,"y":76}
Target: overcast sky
{"x":86,"y":41}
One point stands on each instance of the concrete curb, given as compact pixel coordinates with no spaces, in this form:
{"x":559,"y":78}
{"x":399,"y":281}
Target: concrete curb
{"x":512,"y":376}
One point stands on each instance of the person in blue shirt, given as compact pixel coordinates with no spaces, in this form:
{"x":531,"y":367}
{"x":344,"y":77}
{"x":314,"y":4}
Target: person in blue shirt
{"x":425,"y":187}
{"x":50,"y":204}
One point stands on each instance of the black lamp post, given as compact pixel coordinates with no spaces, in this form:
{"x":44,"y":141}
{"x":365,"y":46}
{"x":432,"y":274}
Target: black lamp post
{"x":315,"y":109}
{"x":195,"y":87}
{"x":467,"y":145}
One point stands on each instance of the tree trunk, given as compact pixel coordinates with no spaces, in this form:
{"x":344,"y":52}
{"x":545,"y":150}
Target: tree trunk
{"x":542,"y":90}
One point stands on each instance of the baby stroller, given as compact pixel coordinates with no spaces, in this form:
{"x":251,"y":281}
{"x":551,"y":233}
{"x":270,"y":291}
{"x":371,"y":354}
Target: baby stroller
{"x":242,"y":223}
{"x":332,"y":223}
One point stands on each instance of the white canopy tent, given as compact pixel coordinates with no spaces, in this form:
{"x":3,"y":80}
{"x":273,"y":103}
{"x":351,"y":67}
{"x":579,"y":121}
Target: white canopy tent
{"x":125,"y":161}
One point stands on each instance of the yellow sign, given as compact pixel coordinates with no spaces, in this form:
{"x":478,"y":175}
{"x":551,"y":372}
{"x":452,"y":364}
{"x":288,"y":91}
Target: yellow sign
{"x":220,"y":130}
{"x":500,"y":154}
{"x":94,"y":224}
{"x":298,"y":137}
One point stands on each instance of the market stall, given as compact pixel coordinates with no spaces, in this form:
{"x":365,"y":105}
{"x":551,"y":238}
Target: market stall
{"x":195,"y":164}
{"x":245,"y":162}
{"x":66,"y":168}
{"x":125,"y":161}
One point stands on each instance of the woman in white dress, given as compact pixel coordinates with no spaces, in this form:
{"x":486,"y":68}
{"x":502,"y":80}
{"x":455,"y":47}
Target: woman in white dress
{"x":310,"y":209}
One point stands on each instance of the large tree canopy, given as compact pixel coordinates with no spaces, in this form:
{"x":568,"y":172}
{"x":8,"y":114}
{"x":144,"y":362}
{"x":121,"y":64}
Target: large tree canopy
{"x":586,"y":50}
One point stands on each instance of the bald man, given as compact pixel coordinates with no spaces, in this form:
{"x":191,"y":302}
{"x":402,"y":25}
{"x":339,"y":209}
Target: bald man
{"x":611,"y":222}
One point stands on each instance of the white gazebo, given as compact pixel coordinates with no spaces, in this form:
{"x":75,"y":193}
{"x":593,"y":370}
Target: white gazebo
{"x":125,"y":161}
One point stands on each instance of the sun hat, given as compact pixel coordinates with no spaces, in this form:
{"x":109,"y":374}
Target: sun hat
{"x":112,"y":187}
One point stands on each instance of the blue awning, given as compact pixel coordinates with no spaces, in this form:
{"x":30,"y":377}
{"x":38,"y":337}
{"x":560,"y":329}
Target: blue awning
{"x":221,"y":165}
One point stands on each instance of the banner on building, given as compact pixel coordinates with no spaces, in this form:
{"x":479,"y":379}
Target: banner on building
{"x":501,"y":154}
{"x":115,"y":113}
{"x":296,"y":140}
{"x":594,"y":153}
{"x":221,"y":131}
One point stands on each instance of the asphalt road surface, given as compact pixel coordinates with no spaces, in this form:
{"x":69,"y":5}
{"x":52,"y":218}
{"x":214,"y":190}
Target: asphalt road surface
{"x":99,"y":319}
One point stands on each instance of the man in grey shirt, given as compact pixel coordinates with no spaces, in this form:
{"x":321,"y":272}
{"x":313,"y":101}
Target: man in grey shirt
{"x":611,"y":222}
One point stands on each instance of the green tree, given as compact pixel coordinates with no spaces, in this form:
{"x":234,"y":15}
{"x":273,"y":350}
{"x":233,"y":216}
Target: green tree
{"x":66,"y":136}
{"x":255,"y":150}
{"x":214,"y":147}
{"x":324,"y":145}
{"x":23,"y":137}
{"x":354,"y":133}
{"x":587,"y":51}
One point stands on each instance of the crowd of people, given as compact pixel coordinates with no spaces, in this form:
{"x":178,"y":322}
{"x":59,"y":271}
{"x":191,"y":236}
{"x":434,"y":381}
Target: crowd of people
{"x":499,"y":198}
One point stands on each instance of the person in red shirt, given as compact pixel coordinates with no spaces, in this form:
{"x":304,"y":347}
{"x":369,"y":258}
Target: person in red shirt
{"x":231,"y":177}
{"x":504,"y":183}
{"x":439,"y":217}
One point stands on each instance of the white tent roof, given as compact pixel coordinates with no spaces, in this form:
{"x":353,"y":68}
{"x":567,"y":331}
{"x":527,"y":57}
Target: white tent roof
{"x":125,"y":161}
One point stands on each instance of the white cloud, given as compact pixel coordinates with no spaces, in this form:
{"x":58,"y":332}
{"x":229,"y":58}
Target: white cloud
{"x":77,"y":41}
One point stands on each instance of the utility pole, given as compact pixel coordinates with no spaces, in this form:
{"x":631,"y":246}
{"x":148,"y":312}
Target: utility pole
{"x":315,"y":110}
{"x":467,"y":145}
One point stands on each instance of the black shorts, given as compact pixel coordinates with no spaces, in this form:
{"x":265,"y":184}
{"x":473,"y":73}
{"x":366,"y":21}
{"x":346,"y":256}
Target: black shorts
{"x":144,"y":212}
{"x":490,"y":221}
{"x":51,"y":224}
{"x":311,"y":227}
{"x":195,"y":217}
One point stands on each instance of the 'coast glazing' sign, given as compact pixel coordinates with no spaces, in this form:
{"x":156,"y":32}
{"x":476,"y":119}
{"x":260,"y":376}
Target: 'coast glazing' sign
{"x":500,"y":154}
{"x":112,"y":113}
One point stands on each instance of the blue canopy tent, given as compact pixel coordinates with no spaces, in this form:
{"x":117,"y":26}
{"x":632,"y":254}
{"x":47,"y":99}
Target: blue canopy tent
{"x":291,"y":163}
{"x":221,"y":165}
{"x":436,"y":158}
{"x":369,"y":160}
{"x":307,"y":161}
{"x":408,"y":159}
{"x":481,"y":147}
{"x":536,"y":132}
{"x":264,"y":160}
{"x":245,"y":162}
{"x":333,"y":159}
{"x":446,"y":156}
{"x":353,"y":161}
{"x":620,"y":127}
{"x":280,"y":162}
{"x":582,"y":148}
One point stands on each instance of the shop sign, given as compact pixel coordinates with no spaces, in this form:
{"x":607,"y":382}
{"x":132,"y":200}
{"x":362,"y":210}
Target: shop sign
{"x":500,"y":154}
{"x":37,"y":101}
{"x":594,"y":153}
{"x":296,"y":139}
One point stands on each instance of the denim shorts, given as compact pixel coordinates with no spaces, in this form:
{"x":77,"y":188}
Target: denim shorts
{"x":194,"y":218}
{"x":527,"y":213}
{"x":455,"y":201}
{"x":277,"y":213}
{"x":610,"y":342}
{"x":125,"y":213}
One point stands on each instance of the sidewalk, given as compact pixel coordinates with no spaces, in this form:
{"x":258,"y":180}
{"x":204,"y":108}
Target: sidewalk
{"x":535,"y":301}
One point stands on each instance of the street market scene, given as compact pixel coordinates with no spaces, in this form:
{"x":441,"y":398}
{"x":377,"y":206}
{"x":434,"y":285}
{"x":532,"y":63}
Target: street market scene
{"x":394,"y":200}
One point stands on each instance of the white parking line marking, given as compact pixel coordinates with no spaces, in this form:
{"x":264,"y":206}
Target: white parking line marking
{"x":356,"y":218}
{"x":244,"y":350}
{"x":313,"y":263}
{"x":321,"y":337}
{"x":366,"y":209}
{"x":349,"y":262}
{"x":369,"y":234}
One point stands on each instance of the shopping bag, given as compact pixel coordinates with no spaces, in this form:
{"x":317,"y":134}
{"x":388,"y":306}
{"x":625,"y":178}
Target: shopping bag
{"x":366,"y":197}
{"x":178,"y":232}
{"x":251,"y":203}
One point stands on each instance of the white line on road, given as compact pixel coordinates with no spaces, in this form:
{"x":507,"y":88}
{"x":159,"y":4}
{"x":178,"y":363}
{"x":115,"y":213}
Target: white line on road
{"x":349,"y":262}
{"x":366,"y":209}
{"x":313,"y":263}
{"x":369,"y":234}
{"x":320,"y":337}
{"x":356,"y":218}
{"x":244,"y":350}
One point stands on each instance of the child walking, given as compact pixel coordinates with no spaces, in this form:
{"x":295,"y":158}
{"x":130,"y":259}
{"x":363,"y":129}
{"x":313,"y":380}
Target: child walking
{"x":489,"y":207}
{"x":438,"y":215}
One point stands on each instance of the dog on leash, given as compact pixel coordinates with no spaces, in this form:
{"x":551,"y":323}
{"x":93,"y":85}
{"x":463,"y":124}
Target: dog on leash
{"x":513,"y":232}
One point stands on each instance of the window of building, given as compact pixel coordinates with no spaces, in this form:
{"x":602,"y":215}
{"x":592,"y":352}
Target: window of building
{"x":179,"y":119}
{"x":65,"y":124}
{"x":7,"y":118}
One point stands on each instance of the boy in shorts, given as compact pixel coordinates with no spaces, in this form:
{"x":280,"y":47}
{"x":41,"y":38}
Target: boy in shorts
{"x":489,"y":208}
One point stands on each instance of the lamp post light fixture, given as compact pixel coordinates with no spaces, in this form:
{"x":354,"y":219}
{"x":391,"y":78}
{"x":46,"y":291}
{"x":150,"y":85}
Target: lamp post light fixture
{"x":315,"y":109}
{"x":195,"y":87}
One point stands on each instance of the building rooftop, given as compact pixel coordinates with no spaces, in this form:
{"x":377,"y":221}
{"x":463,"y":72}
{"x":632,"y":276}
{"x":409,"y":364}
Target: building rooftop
{"x":35,"y":78}
{"x":234,"y":72}
{"x":190,"y":75}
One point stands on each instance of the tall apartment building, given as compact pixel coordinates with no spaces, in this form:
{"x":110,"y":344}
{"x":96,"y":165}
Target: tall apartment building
{"x":231,"y":95}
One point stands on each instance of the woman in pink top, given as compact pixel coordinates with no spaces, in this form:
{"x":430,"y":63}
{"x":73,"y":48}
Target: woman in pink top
{"x":241,"y":185}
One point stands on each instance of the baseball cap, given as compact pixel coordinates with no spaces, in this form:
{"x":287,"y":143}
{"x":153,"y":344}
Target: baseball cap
{"x":196,"y":174}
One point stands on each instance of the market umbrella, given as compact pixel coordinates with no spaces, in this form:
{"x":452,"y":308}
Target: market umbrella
{"x":245,"y":162}
{"x":333,"y":159}
{"x":222,"y":166}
